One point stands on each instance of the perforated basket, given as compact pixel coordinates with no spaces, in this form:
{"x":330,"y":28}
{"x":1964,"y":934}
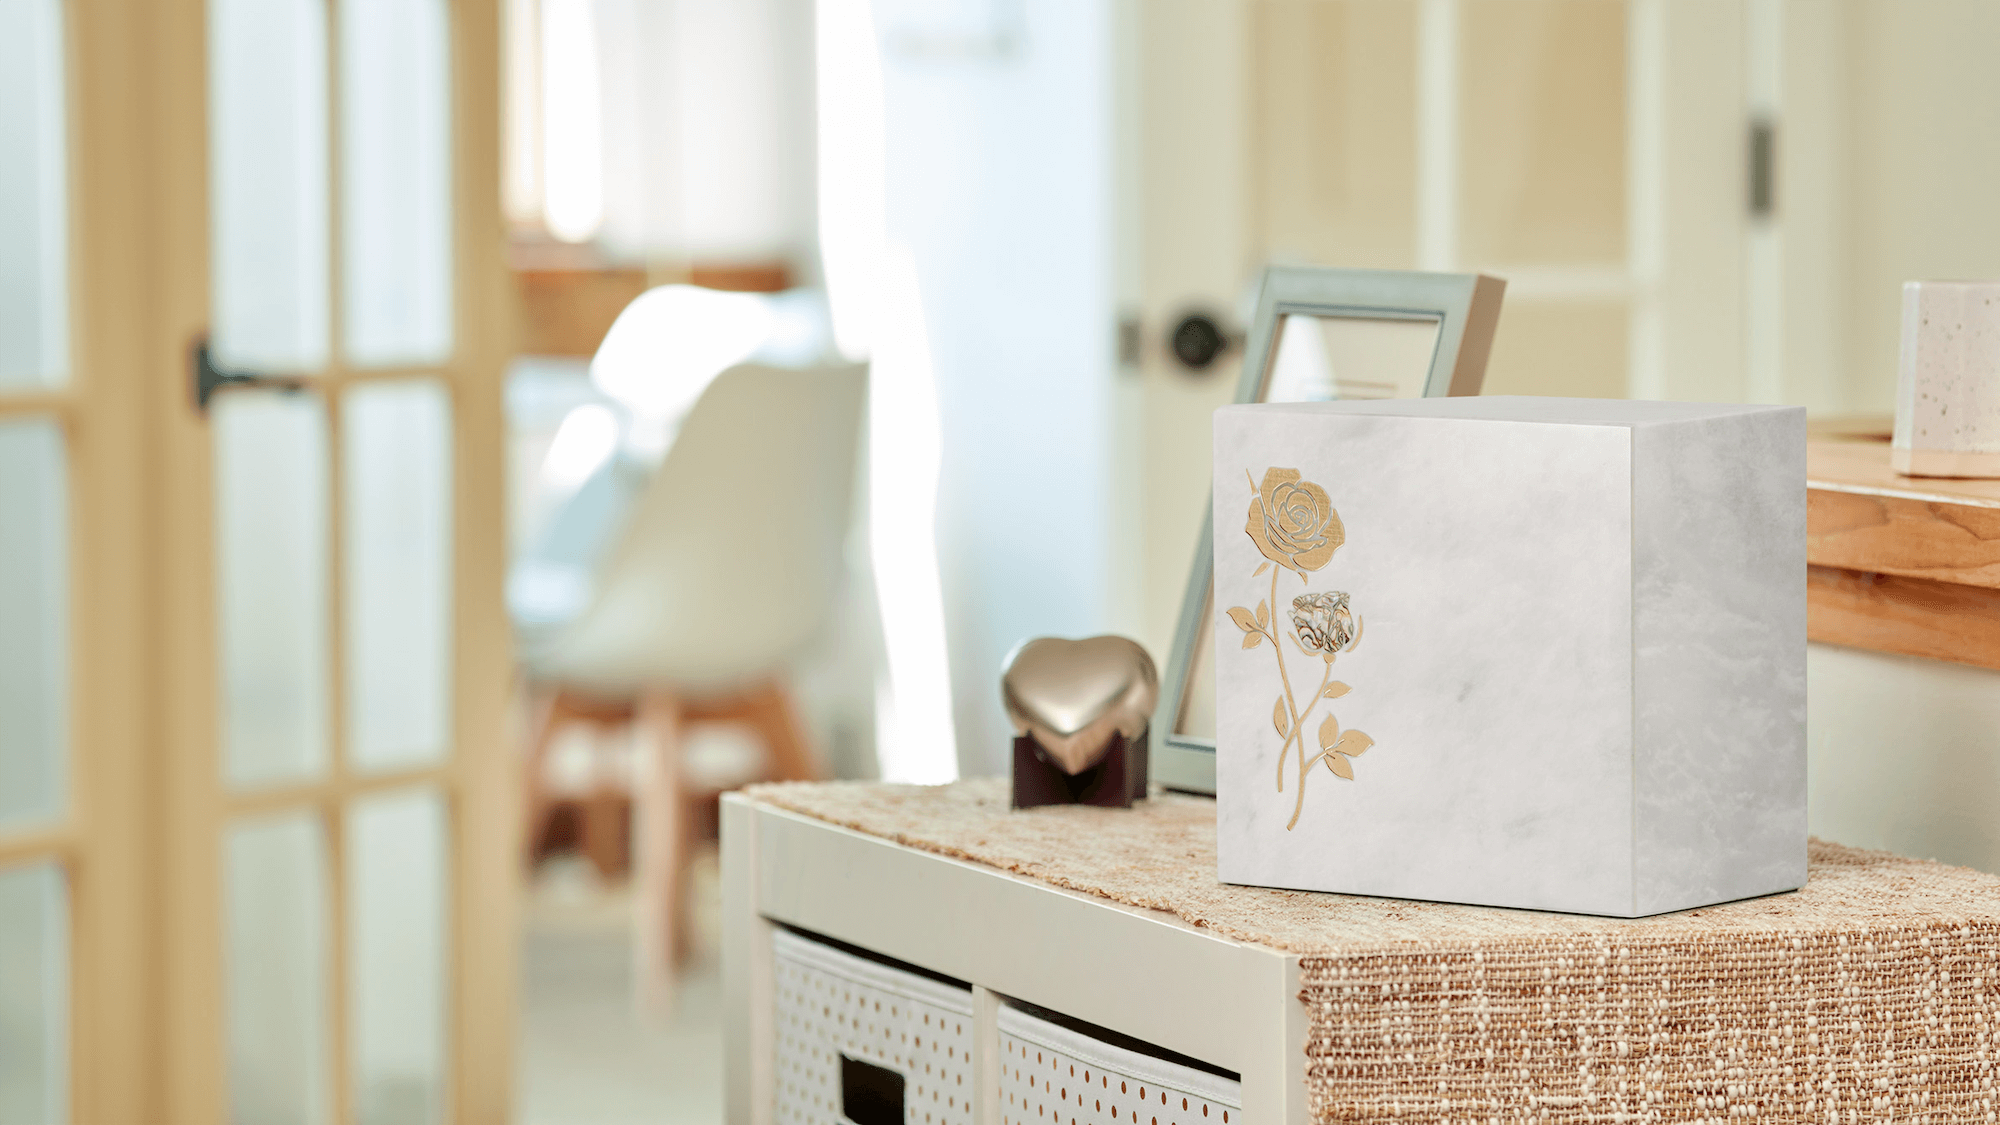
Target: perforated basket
{"x":867,"y":1043}
{"x":1054,"y":1075}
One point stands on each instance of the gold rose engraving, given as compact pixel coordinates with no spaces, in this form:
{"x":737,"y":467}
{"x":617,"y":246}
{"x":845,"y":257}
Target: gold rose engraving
{"x":1294,"y":525}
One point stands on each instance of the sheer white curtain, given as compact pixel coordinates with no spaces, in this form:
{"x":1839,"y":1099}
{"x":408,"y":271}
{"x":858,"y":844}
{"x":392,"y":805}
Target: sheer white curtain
{"x":664,"y":130}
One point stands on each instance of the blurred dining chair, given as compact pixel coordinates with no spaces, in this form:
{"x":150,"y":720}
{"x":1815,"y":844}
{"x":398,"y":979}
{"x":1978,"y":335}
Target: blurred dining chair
{"x":727,"y":565}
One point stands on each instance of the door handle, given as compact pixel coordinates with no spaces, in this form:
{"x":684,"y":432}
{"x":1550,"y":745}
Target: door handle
{"x":206,"y":378}
{"x":1198,"y":340}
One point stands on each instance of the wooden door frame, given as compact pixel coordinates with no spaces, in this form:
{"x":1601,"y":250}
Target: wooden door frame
{"x":142,"y":847}
{"x":104,"y":410}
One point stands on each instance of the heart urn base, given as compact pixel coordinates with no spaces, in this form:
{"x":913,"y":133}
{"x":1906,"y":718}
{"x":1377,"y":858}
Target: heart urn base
{"x":1115,"y":782}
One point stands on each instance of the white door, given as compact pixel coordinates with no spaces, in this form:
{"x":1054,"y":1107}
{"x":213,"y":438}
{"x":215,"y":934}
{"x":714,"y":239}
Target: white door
{"x":1592,"y":152}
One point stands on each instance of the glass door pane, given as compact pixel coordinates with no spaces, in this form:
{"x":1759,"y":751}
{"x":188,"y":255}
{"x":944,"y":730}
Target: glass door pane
{"x":395,"y":101}
{"x":396,"y":465}
{"x":267,"y":106}
{"x":271,"y":516}
{"x":34,"y":621}
{"x":398,"y":862}
{"x":34,"y":213}
{"x":275,"y":968}
{"x":34,"y":995}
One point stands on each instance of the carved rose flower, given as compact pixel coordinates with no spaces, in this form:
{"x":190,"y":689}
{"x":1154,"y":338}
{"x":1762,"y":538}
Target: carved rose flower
{"x":1323,"y":622}
{"x":1293,"y":522}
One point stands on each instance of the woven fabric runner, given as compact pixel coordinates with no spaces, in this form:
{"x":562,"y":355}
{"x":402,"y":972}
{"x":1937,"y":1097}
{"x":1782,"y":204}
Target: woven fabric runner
{"x":1872,"y":994}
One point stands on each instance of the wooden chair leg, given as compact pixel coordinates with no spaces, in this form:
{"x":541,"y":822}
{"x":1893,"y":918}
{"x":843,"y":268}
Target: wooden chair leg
{"x":546,"y":713}
{"x":660,"y":851}
{"x":606,"y":836}
{"x":768,"y":708}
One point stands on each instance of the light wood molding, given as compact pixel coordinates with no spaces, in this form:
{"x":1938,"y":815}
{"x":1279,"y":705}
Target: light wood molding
{"x":1908,"y":616}
{"x":58,"y":843}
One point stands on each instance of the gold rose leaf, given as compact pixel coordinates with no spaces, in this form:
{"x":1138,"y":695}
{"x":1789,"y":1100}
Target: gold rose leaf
{"x":1339,"y":766}
{"x":1353,"y":744}
{"x":1245,"y":620}
{"x":1261,"y":568}
{"x":1252,"y":640}
{"x":1253,"y":526}
{"x":1280,"y":719}
{"x":1329,"y":733}
{"x":1336,"y":689}
{"x":1263,"y":612}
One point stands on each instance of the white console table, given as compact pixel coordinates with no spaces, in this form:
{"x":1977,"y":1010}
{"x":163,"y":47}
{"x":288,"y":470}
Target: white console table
{"x":1869,"y":993}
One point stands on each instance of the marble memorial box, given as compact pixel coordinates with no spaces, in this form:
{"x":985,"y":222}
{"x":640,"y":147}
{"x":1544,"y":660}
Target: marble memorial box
{"x":1527,"y":652}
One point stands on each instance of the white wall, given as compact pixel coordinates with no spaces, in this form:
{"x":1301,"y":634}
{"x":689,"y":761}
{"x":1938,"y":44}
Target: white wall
{"x":1192,"y":251}
{"x":1923,"y":156}
{"x":1889,"y":149}
{"x":1904,"y":754}
{"x":1000,"y":159}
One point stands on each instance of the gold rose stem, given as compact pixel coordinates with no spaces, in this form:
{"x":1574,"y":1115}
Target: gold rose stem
{"x":1291,"y":705}
{"x":1305,"y":764}
{"x":1286,"y":747}
{"x":1300,"y":804}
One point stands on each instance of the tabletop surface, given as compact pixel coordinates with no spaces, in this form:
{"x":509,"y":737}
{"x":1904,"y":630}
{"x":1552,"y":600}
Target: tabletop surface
{"x":1161,"y":855}
{"x":1838,"y":465}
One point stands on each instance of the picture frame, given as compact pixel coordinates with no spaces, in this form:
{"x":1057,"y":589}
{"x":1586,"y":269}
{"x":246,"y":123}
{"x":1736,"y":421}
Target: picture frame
{"x":1381,"y":314}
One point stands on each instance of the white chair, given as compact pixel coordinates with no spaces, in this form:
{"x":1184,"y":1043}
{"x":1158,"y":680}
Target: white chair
{"x":727,"y":566}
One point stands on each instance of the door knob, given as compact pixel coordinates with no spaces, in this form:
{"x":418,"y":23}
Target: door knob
{"x":1197,"y":341}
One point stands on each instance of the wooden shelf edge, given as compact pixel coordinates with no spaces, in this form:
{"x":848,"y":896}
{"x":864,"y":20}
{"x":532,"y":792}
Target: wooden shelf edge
{"x":1862,"y":516}
{"x":1906,"y":616}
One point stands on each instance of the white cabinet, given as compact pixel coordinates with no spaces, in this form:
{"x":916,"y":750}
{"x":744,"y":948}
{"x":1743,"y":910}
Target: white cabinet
{"x":1230,"y":1008}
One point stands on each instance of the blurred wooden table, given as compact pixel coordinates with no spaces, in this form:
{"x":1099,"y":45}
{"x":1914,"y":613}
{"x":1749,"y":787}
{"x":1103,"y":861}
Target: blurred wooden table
{"x":1899,"y":564}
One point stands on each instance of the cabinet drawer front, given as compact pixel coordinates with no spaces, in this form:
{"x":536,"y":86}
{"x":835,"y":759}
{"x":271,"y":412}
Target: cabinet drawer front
{"x":1067,"y":1075}
{"x":863,"y":1042}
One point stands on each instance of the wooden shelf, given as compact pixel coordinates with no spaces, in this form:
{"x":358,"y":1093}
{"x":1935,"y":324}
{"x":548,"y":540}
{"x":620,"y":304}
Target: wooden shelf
{"x":1900,"y":564}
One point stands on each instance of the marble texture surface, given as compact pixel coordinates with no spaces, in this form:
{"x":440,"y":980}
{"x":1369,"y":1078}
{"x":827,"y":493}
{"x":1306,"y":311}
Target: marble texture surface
{"x":1581,"y":661}
{"x":1719,"y":657}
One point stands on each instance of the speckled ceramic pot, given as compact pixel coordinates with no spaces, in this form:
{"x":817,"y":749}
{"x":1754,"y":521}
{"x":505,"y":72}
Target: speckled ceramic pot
{"x":1948,"y":380}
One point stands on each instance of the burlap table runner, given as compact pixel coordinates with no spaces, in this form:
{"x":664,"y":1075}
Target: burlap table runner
{"x":1873,"y":994}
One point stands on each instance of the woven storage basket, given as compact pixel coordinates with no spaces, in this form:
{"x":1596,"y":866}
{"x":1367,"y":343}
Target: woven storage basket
{"x":843,"y":1020}
{"x":1053,"y":1074}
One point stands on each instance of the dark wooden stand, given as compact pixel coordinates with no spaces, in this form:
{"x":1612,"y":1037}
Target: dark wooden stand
{"x":1115,"y":782}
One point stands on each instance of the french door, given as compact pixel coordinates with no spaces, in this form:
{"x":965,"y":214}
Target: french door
{"x":255,"y":807}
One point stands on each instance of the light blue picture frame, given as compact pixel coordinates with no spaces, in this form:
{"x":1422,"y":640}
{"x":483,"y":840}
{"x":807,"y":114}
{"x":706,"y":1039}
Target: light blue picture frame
{"x":1466,"y":308}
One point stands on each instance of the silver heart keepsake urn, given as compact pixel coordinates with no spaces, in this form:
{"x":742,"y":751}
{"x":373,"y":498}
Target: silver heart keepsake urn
{"x":1080,"y":711}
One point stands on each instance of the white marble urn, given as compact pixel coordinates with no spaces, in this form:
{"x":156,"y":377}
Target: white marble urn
{"x":1527,"y":652}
